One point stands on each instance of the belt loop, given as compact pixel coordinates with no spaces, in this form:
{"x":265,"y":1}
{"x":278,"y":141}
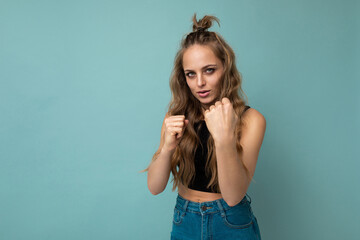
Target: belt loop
{"x":249,"y":197}
{"x":220,"y":207}
{"x":185,"y":205}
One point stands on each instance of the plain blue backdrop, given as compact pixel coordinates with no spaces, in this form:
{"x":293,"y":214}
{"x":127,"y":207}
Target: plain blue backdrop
{"x":84,"y":86}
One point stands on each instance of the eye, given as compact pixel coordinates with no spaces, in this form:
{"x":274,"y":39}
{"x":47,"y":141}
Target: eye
{"x":189,"y":74}
{"x":210,"y":70}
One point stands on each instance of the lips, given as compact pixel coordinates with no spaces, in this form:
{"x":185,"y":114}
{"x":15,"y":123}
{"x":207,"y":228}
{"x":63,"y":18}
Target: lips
{"x":204,"y":94}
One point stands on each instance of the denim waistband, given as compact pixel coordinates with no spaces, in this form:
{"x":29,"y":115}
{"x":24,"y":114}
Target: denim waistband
{"x":209,"y":207}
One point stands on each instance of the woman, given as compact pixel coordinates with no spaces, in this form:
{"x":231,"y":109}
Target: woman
{"x":210,"y":141}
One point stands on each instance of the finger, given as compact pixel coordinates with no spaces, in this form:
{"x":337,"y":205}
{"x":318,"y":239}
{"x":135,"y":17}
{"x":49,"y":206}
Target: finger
{"x":174,"y":133}
{"x":175,"y":124}
{"x":225,"y":100}
{"x":218,"y":103}
{"x":182,"y":132}
{"x":179,"y":135}
{"x":175,"y":121}
{"x":175,"y":130}
{"x":211,"y":107}
{"x":172,"y":119}
{"x":178,"y":116}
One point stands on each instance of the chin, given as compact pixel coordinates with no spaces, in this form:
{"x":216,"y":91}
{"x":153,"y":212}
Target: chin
{"x":207,"y":101}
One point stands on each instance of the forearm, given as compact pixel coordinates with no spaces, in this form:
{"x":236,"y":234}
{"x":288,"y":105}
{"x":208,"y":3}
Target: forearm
{"x":159,"y":172}
{"x":232,"y":177}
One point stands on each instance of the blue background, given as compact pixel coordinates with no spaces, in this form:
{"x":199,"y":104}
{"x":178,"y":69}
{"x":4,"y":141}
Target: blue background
{"x":84,"y":86}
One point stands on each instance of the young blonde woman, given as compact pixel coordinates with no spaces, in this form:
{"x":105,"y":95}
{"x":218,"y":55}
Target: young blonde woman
{"x":210,"y":142}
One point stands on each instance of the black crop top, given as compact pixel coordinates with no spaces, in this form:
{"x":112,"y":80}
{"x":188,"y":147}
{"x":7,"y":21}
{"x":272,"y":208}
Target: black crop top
{"x":200,"y":180}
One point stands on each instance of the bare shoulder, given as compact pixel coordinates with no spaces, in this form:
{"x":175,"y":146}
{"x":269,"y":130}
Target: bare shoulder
{"x":253,"y":118}
{"x":252,"y":136}
{"x":253,"y":130}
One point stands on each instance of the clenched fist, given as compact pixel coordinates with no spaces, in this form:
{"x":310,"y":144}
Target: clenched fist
{"x":221,"y":120}
{"x":174,"y":129}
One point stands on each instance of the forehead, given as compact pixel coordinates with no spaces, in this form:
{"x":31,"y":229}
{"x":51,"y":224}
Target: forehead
{"x":197,"y":56}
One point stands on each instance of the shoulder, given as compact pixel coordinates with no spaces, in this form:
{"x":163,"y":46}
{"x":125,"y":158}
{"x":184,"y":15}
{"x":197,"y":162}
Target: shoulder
{"x":253,"y":115}
{"x":254,"y":122}
{"x":252,"y":136}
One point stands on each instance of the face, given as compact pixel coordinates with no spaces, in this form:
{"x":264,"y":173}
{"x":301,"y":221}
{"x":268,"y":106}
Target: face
{"x":203,"y":71}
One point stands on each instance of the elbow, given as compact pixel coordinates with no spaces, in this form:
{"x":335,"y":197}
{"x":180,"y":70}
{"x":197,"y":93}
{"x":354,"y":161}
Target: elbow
{"x":232,"y":202}
{"x":155,"y":191}
{"x":155,"y":187}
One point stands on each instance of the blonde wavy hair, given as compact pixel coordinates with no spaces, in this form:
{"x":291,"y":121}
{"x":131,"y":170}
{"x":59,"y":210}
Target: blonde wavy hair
{"x":184,"y":103}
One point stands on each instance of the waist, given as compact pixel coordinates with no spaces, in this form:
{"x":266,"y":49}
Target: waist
{"x":208,"y":206}
{"x":197,"y":196}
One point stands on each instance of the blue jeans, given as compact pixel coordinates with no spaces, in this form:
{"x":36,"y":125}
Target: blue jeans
{"x":214,"y":220}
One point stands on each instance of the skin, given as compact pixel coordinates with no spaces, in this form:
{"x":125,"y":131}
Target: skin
{"x":220,"y":119}
{"x":203,"y":71}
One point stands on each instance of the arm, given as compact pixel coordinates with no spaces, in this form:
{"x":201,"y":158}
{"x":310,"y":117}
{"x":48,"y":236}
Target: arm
{"x":232,"y":177}
{"x":159,"y":169}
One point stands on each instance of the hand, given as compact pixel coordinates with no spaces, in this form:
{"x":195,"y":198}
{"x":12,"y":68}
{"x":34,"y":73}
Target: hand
{"x":221,"y":120}
{"x":174,"y":129}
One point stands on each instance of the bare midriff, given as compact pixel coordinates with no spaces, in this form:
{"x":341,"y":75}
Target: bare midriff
{"x":197,"y":196}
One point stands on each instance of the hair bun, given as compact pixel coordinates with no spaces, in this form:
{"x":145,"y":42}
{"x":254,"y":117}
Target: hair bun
{"x":204,"y":23}
{"x":201,"y":29}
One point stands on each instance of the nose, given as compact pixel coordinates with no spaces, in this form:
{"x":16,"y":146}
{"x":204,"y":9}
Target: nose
{"x":200,"y":80}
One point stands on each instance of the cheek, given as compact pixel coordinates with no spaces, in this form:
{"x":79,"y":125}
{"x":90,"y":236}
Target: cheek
{"x":189,"y":85}
{"x":215,"y":81}
{"x":219,"y":80}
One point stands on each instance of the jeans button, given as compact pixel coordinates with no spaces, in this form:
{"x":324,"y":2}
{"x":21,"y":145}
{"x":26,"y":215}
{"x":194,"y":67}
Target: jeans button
{"x":204,"y":207}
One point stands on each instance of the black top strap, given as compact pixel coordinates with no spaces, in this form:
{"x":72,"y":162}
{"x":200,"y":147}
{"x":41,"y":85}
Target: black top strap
{"x":246,"y":108}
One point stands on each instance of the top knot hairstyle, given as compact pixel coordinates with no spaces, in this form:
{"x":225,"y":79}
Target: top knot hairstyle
{"x":204,"y":23}
{"x":184,"y":103}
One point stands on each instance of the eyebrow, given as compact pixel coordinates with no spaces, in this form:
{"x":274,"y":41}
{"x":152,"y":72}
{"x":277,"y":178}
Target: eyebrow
{"x":213,"y":65}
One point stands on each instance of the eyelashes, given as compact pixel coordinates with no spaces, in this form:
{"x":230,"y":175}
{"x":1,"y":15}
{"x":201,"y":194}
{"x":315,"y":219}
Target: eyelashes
{"x":189,"y":74}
